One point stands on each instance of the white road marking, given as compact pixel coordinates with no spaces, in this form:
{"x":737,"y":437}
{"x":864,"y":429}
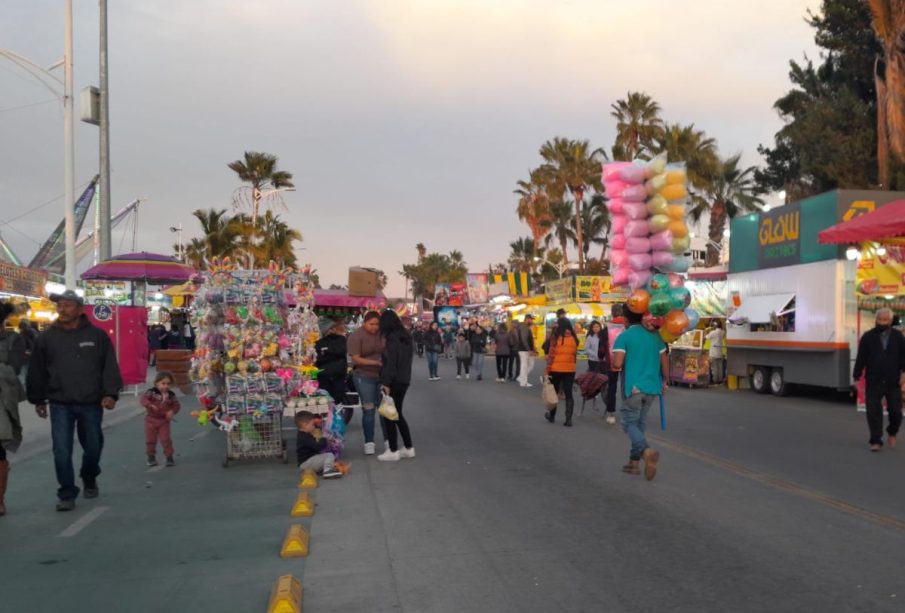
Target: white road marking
{"x":82,"y":522}
{"x":200,"y":435}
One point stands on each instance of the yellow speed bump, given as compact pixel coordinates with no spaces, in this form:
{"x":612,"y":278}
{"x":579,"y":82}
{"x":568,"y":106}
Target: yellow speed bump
{"x":303,"y":507}
{"x":286,"y":596}
{"x":308,"y":480}
{"x":295,"y":545}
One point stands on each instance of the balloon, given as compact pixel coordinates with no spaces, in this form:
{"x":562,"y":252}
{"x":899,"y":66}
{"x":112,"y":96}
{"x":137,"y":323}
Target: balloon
{"x":657,"y":205}
{"x":674,"y":192}
{"x":678,"y":228}
{"x":662,"y":259}
{"x":681,"y":245}
{"x":637,"y":301}
{"x":635,"y":210}
{"x":638,"y":278}
{"x":637,"y":227}
{"x":693,"y":318}
{"x":681,"y":297}
{"x":660,"y":303}
{"x":655,"y":184}
{"x":676,"y":177}
{"x":618,"y":257}
{"x":674,"y":211}
{"x":632,"y":173}
{"x":634,"y":193}
{"x":661,"y":241}
{"x":616,"y":206}
{"x":618,"y":223}
{"x":675,"y":280}
{"x":676,"y":322}
{"x":667,"y":337}
{"x":637,"y":245}
{"x":618,"y":242}
{"x":659,"y":283}
{"x":658,"y":223}
{"x":611,"y":170}
{"x":656,"y":166}
{"x":650,"y":321}
{"x":639,"y":262}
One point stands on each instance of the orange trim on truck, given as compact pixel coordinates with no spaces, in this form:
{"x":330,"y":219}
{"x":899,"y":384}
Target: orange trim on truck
{"x":786,"y":344}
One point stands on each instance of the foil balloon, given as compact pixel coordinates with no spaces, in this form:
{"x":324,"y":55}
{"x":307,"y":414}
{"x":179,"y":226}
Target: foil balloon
{"x":693,"y":318}
{"x":676,"y":322}
{"x":638,"y":300}
{"x":680,"y":296}
{"x":658,"y":283}
{"x":675,"y":280}
{"x":651,"y":322}
{"x":667,"y":337}
{"x":660,"y":303}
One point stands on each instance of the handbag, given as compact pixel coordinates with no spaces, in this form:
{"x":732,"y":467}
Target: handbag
{"x":549,"y":395}
{"x":387,"y":408}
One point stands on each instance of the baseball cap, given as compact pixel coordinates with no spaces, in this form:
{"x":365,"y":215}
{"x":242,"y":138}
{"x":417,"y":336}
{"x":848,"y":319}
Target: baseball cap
{"x":68,"y":295}
{"x":531,"y":317}
{"x":560,"y":312}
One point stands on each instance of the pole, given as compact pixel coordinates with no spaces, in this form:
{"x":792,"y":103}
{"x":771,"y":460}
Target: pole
{"x":104,"y":202}
{"x":68,"y":153}
{"x":255,"y":202}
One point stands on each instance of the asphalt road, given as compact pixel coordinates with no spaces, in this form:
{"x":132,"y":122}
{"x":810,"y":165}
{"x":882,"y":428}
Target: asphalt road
{"x":761,"y":504}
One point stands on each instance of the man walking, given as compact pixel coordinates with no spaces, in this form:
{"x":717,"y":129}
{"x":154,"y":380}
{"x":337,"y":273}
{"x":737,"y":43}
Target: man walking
{"x":641,"y":356}
{"x":526,"y":350}
{"x":881,"y":358}
{"x":73,"y":368}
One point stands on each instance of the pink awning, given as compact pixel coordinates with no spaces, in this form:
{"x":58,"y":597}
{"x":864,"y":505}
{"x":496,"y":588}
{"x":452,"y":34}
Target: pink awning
{"x":149,"y":267}
{"x":883,"y":223}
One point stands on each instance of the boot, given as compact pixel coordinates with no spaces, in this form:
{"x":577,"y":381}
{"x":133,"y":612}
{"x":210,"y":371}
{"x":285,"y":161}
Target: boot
{"x":4,"y":479}
{"x":550,"y":415}
{"x":570,"y":404}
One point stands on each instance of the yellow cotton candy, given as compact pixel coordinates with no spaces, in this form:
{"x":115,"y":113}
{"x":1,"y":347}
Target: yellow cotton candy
{"x":675,"y":211}
{"x":674,"y":192}
{"x":676,"y":177}
{"x":658,"y":223}
{"x":678,"y":229}
{"x":657,"y":205}
{"x":655,"y":167}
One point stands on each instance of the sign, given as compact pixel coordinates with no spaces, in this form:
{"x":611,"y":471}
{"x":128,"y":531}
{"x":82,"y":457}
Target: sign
{"x":22,"y":281}
{"x":103,"y":312}
{"x":881,"y":275}
{"x":477,"y":288}
{"x":779,"y":237}
{"x":592,"y":289}
{"x":558,"y":291}
{"x":689,"y":366}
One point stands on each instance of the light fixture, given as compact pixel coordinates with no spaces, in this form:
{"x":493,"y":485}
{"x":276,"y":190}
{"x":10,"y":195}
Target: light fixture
{"x":852,"y":253}
{"x":108,"y":292}
{"x":726,"y":232}
{"x":889,"y":297}
{"x":52,"y":287}
{"x":880,"y":250}
{"x":158,"y":296}
{"x":782,"y":195}
{"x":767,"y":208}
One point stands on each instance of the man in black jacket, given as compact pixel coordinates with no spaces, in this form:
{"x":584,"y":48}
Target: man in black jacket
{"x":881,"y":355}
{"x":73,"y":368}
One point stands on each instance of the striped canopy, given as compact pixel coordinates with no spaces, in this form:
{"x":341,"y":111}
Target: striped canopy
{"x":149,"y":267}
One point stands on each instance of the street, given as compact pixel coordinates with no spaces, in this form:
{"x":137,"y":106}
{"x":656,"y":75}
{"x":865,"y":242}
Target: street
{"x":761,"y":504}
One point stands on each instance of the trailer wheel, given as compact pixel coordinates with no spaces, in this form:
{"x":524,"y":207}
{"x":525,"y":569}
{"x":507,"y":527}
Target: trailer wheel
{"x":760,"y":380}
{"x":778,"y":383}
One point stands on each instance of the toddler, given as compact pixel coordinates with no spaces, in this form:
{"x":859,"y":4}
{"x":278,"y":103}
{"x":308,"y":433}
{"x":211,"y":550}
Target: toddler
{"x":162,"y":405}
{"x":463,"y":355}
{"x":310,"y":450}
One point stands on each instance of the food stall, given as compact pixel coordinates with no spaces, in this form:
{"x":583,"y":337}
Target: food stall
{"x":584,"y":298}
{"x":689,"y":361}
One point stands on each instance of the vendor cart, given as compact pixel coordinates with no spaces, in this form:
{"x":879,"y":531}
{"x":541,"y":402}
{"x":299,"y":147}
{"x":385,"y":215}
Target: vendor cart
{"x":689,"y":362}
{"x":256,"y":438}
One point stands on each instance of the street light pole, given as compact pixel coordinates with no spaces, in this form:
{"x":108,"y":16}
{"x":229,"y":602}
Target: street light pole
{"x":68,"y":153}
{"x":559,"y":268}
{"x":256,"y":197}
{"x":103,"y":208}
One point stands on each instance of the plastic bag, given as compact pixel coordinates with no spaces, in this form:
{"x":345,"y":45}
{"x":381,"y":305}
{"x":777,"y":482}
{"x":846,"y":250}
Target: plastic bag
{"x":549,"y":395}
{"x":387,"y":408}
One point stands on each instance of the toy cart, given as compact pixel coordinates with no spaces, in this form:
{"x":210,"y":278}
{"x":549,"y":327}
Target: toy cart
{"x":256,"y":438}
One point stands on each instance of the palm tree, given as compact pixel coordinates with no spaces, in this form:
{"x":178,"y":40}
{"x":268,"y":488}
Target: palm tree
{"x":422,"y":251}
{"x":595,"y":223}
{"x":278,"y":245}
{"x":222,"y":236}
{"x":571,"y":165}
{"x":534,"y":206}
{"x":563,"y":228}
{"x":732,"y":191}
{"x":457,"y":265}
{"x":699,"y":153}
{"x":889,"y":24}
{"x":638,"y":124}
{"x":522,"y":254}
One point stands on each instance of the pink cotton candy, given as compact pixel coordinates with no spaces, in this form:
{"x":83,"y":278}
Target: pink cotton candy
{"x":632,"y":173}
{"x":620,"y":276}
{"x":635,"y":210}
{"x":618,"y":257}
{"x":615,"y":188}
{"x":618,"y":223}
{"x":639,"y":261}
{"x":636,"y":228}
{"x":638,"y":278}
{"x":661,"y":241}
{"x":616,"y":206}
{"x":612,"y":170}
{"x":662,"y":259}
{"x":637,"y":245}
{"x":634,"y":193}
{"x":618,"y":241}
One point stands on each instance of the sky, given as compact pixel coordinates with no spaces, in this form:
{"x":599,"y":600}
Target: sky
{"x":403,"y":121}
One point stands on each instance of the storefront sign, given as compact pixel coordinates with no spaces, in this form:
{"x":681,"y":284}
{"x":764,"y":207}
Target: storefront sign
{"x":779,"y":237}
{"x":592,"y":289}
{"x":558,"y":291}
{"x":22,"y":281}
{"x":477,"y":288}
{"x":881,"y":275}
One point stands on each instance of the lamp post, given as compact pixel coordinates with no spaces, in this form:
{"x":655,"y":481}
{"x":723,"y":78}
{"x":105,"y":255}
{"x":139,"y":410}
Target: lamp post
{"x":62,"y":89}
{"x":256,"y":197}
{"x":560,"y":268}
{"x":180,"y":248}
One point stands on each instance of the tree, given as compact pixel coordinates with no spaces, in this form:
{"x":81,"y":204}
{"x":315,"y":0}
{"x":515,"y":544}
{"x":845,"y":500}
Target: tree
{"x":534,"y":206}
{"x":564,"y":228}
{"x":889,"y":26}
{"x":638,"y":125}
{"x":685,"y":143}
{"x":595,"y":224}
{"x":522,"y":254}
{"x":222,"y":236}
{"x":433,"y":268}
{"x":278,"y":246}
{"x":571,"y":165}
{"x":732,"y":191}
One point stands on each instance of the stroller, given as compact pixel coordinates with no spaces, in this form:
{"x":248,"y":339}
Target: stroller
{"x":591,"y":385}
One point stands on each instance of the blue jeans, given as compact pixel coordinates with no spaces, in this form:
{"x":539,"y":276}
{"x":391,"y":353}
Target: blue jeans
{"x":634,"y":412}
{"x":477,"y":363}
{"x":433,"y":360}
{"x":369,"y":393}
{"x":86,"y":421}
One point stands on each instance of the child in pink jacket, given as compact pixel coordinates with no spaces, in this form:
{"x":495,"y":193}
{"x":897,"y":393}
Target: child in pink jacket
{"x":161,"y":405}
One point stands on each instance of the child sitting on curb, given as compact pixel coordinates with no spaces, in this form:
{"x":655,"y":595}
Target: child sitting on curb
{"x":162,"y":405}
{"x":310,"y":450}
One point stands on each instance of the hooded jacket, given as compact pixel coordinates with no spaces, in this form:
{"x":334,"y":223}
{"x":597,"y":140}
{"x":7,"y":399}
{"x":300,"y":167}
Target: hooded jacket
{"x":332,"y":355}
{"x":73,"y":366}
{"x":397,"y":359}
{"x":157,"y":405}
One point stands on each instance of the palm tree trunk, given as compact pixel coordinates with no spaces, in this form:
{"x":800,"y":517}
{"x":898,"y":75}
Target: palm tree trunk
{"x":579,"y":195}
{"x":895,"y":97}
{"x":882,"y":136}
{"x":715,"y":233}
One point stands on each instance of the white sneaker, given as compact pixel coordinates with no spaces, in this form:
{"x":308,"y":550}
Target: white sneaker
{"x":610,"y":419}
{"x":407,"y":452}
{"x":436,"y":378}
{"x":369,"y":448}
{"x":332,"y":474}
{"x":468,"y":376}
{"x":389,"y":456}
{"x":526,"y":385}
{"x":458,"y":376}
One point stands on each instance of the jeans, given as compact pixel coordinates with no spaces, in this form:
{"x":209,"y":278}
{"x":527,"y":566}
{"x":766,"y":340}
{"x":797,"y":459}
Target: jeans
{"x":875,"y":393}
{"x":514,"y":366}
{"x":526,"y":364}
{"x":634,"y":420}
{"x":502,"y":365}
{"x":397,"y":391}
{"x":368,"y":392}
{"x":462,"y":363}
{"x":477,"y":363}
{"x":86,"y":421}
{"x":433,"y":360}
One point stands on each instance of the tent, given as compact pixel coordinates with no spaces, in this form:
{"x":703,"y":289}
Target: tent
{"x":886,"y":222}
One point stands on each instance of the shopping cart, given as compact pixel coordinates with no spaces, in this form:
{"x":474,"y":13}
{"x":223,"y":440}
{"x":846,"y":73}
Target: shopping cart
{"x":256,"y":438}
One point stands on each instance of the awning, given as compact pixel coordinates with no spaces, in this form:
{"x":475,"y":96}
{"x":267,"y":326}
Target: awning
{"x":759,"y":309}
{"x":888,"y":221}
{"x":580,"y":309}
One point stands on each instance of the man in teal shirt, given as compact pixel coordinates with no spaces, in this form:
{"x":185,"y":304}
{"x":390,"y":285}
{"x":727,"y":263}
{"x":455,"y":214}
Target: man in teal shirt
{"x":641,"y":355}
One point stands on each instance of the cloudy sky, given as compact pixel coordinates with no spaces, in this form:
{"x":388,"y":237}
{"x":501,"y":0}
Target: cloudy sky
{"x":402,"y":120}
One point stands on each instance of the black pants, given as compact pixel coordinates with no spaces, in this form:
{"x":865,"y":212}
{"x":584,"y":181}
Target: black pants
{"x":502,"y":365}
{"x":397,"y":391}
{"x":462,"y":363}
{"x":594,"y":366}
{"x":2,"y":453}
{"x":612,"y":389}
{"x":563,"y":382}
{"x":335,"y":386}
{"x":875,"y":393}
{"x":515,"y":367}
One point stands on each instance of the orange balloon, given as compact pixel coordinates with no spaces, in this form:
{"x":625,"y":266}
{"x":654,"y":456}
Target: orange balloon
{"x":638,"y":301}
{"x":676,"y":322}
{"x":667,"y":337}
{"x":678,"y":228}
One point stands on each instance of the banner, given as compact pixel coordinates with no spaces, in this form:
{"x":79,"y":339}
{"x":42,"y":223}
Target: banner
{"x":558,"y":291}
{"x":519,"y":282}
{"x":881,"y":275}
{"x":127,"y":327}
{"x":22,"y":281}
{"x":477,"y":288}
{"x":592,"y":289}
{"x":447,"y":317}
{"x":458,"y":294}
{"x":441,"y":295}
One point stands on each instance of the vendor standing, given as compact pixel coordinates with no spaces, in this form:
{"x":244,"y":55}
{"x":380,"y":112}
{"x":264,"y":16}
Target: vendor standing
{"x":881,"y":359}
